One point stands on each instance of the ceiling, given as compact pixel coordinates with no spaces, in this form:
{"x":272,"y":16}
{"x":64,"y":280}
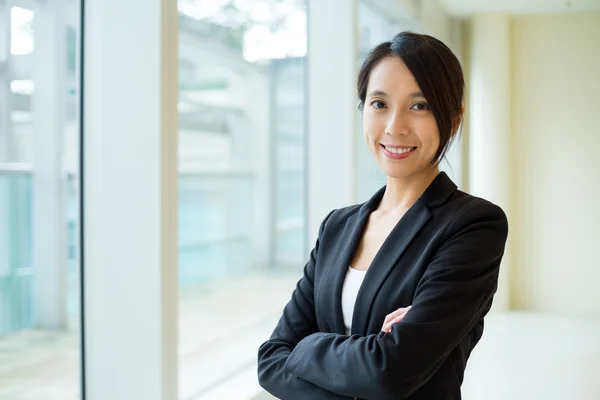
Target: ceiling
{"x":468,"y":7}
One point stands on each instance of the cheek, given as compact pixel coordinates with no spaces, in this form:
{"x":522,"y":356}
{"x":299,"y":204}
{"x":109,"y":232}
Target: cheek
{"x":370,"y":129}
{"x":367,"y":129}
{"x":431,"y":136}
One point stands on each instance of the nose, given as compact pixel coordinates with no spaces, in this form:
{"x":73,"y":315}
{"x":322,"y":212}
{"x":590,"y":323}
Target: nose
{"x":397,"y":124}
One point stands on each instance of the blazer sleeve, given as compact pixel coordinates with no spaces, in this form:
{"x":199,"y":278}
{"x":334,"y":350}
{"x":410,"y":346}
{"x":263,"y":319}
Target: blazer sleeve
{"x":454,"y":293}
{"x":298,"y":321}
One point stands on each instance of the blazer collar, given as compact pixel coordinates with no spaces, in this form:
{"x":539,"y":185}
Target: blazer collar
{"x":435,"y":195}
{"x":399,"y":238}
{"x":439,"y":191}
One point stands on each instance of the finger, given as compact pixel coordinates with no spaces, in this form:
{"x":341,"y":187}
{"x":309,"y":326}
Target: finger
{"x":394,"y":315}
{"x":387,"y":319}
{"x":387,"y":327}
{"x":398,"y":312}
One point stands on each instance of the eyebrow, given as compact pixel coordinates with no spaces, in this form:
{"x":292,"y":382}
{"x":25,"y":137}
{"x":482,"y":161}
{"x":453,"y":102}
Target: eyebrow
{"x":381,"y":93}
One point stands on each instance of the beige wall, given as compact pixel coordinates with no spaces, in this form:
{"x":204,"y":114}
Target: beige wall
{"x":488,"y":112}
{"x":437,"y":20}
{"x":432,"y":15}
{"x":556,"y":165}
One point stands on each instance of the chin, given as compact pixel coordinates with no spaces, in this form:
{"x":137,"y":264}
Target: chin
{"x":398,"y":173}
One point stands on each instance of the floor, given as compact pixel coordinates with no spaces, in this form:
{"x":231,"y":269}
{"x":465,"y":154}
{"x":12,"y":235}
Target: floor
{"x":44,"y":365}
{"x":527,"y":356}
{"x":521,"y":356}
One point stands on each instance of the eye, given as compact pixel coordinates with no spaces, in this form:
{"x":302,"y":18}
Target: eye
{"x":377,"y":104}
{"x":420,"y":106}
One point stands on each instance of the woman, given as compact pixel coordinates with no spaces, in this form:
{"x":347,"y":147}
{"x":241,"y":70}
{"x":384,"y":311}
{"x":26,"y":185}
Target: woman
{"x":393,"y":297}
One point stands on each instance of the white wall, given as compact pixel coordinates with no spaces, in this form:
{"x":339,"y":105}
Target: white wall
{"x":555,"y":143}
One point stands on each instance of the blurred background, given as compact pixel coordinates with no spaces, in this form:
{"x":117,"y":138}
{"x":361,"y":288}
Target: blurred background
{"x":269,"y":141}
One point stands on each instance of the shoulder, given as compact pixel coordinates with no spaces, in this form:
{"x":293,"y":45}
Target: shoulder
{"x":465,"y":205}
{"x":458,"y":212}
{"x":338,"y":217}
{"x":463,"y":211}
{"x":341,"y":215}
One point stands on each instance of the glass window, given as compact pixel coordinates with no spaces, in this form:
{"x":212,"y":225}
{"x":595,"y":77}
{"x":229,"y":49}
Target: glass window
{"x":242,"y":222}
{"x":39,"y":198}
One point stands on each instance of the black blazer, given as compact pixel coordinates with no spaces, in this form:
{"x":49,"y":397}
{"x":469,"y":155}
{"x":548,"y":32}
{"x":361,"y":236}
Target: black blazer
{"x":442,"y":258}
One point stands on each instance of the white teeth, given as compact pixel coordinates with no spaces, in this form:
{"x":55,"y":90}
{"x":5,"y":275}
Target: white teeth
{"x":399,"y":150}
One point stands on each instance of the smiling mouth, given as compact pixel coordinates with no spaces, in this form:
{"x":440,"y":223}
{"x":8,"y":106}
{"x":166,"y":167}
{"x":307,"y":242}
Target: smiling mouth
{"x":398,"y":150}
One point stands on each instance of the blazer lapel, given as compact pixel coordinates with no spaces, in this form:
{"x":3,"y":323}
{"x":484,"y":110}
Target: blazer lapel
{"x":349,"y":240}
{"x":385,"y":259}
{"x":395,"y":244}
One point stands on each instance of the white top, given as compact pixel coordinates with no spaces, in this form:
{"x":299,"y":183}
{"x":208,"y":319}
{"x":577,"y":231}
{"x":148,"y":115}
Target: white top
{"x":352,"y":282}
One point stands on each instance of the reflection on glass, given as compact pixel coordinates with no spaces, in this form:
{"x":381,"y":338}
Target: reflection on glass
{"x":39,"y":197}
{"x":242,"y":184}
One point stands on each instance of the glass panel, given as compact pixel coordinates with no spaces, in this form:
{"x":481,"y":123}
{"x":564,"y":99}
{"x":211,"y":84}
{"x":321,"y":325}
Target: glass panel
{"x":288,"y":81}
{"x":242,"y":222}
{"x":39,"y":198}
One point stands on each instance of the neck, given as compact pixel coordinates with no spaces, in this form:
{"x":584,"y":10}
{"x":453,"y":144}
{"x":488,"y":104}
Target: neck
{"x":402,"y":193}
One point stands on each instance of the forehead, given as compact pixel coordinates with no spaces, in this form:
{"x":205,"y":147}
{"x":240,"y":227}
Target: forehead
{"x":392,"y":76}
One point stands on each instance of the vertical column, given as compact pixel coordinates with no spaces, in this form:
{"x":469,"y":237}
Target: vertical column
{"x":490,"y":126}
{"x":259,"y":106}
{"x":5,"y":106}
{"x":5,"y":138}
{"x":130,"y":199}
{"x":49,"y":213}
{"x":332,"y":55}
{"x":454,"y":162}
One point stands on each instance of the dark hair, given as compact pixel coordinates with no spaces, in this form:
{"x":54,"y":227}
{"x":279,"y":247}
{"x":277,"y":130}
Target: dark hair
{"x":437,"y":72}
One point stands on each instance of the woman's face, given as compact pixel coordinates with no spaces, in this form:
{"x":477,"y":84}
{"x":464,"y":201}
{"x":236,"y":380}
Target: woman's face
{"x":398,"y":125}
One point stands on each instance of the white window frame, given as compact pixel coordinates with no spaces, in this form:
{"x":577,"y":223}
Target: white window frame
{"x":130,"y":199}
{"x":331,"y":104}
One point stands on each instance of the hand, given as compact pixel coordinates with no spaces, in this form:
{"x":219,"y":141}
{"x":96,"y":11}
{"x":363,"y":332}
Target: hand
{"x":394,"y":318}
